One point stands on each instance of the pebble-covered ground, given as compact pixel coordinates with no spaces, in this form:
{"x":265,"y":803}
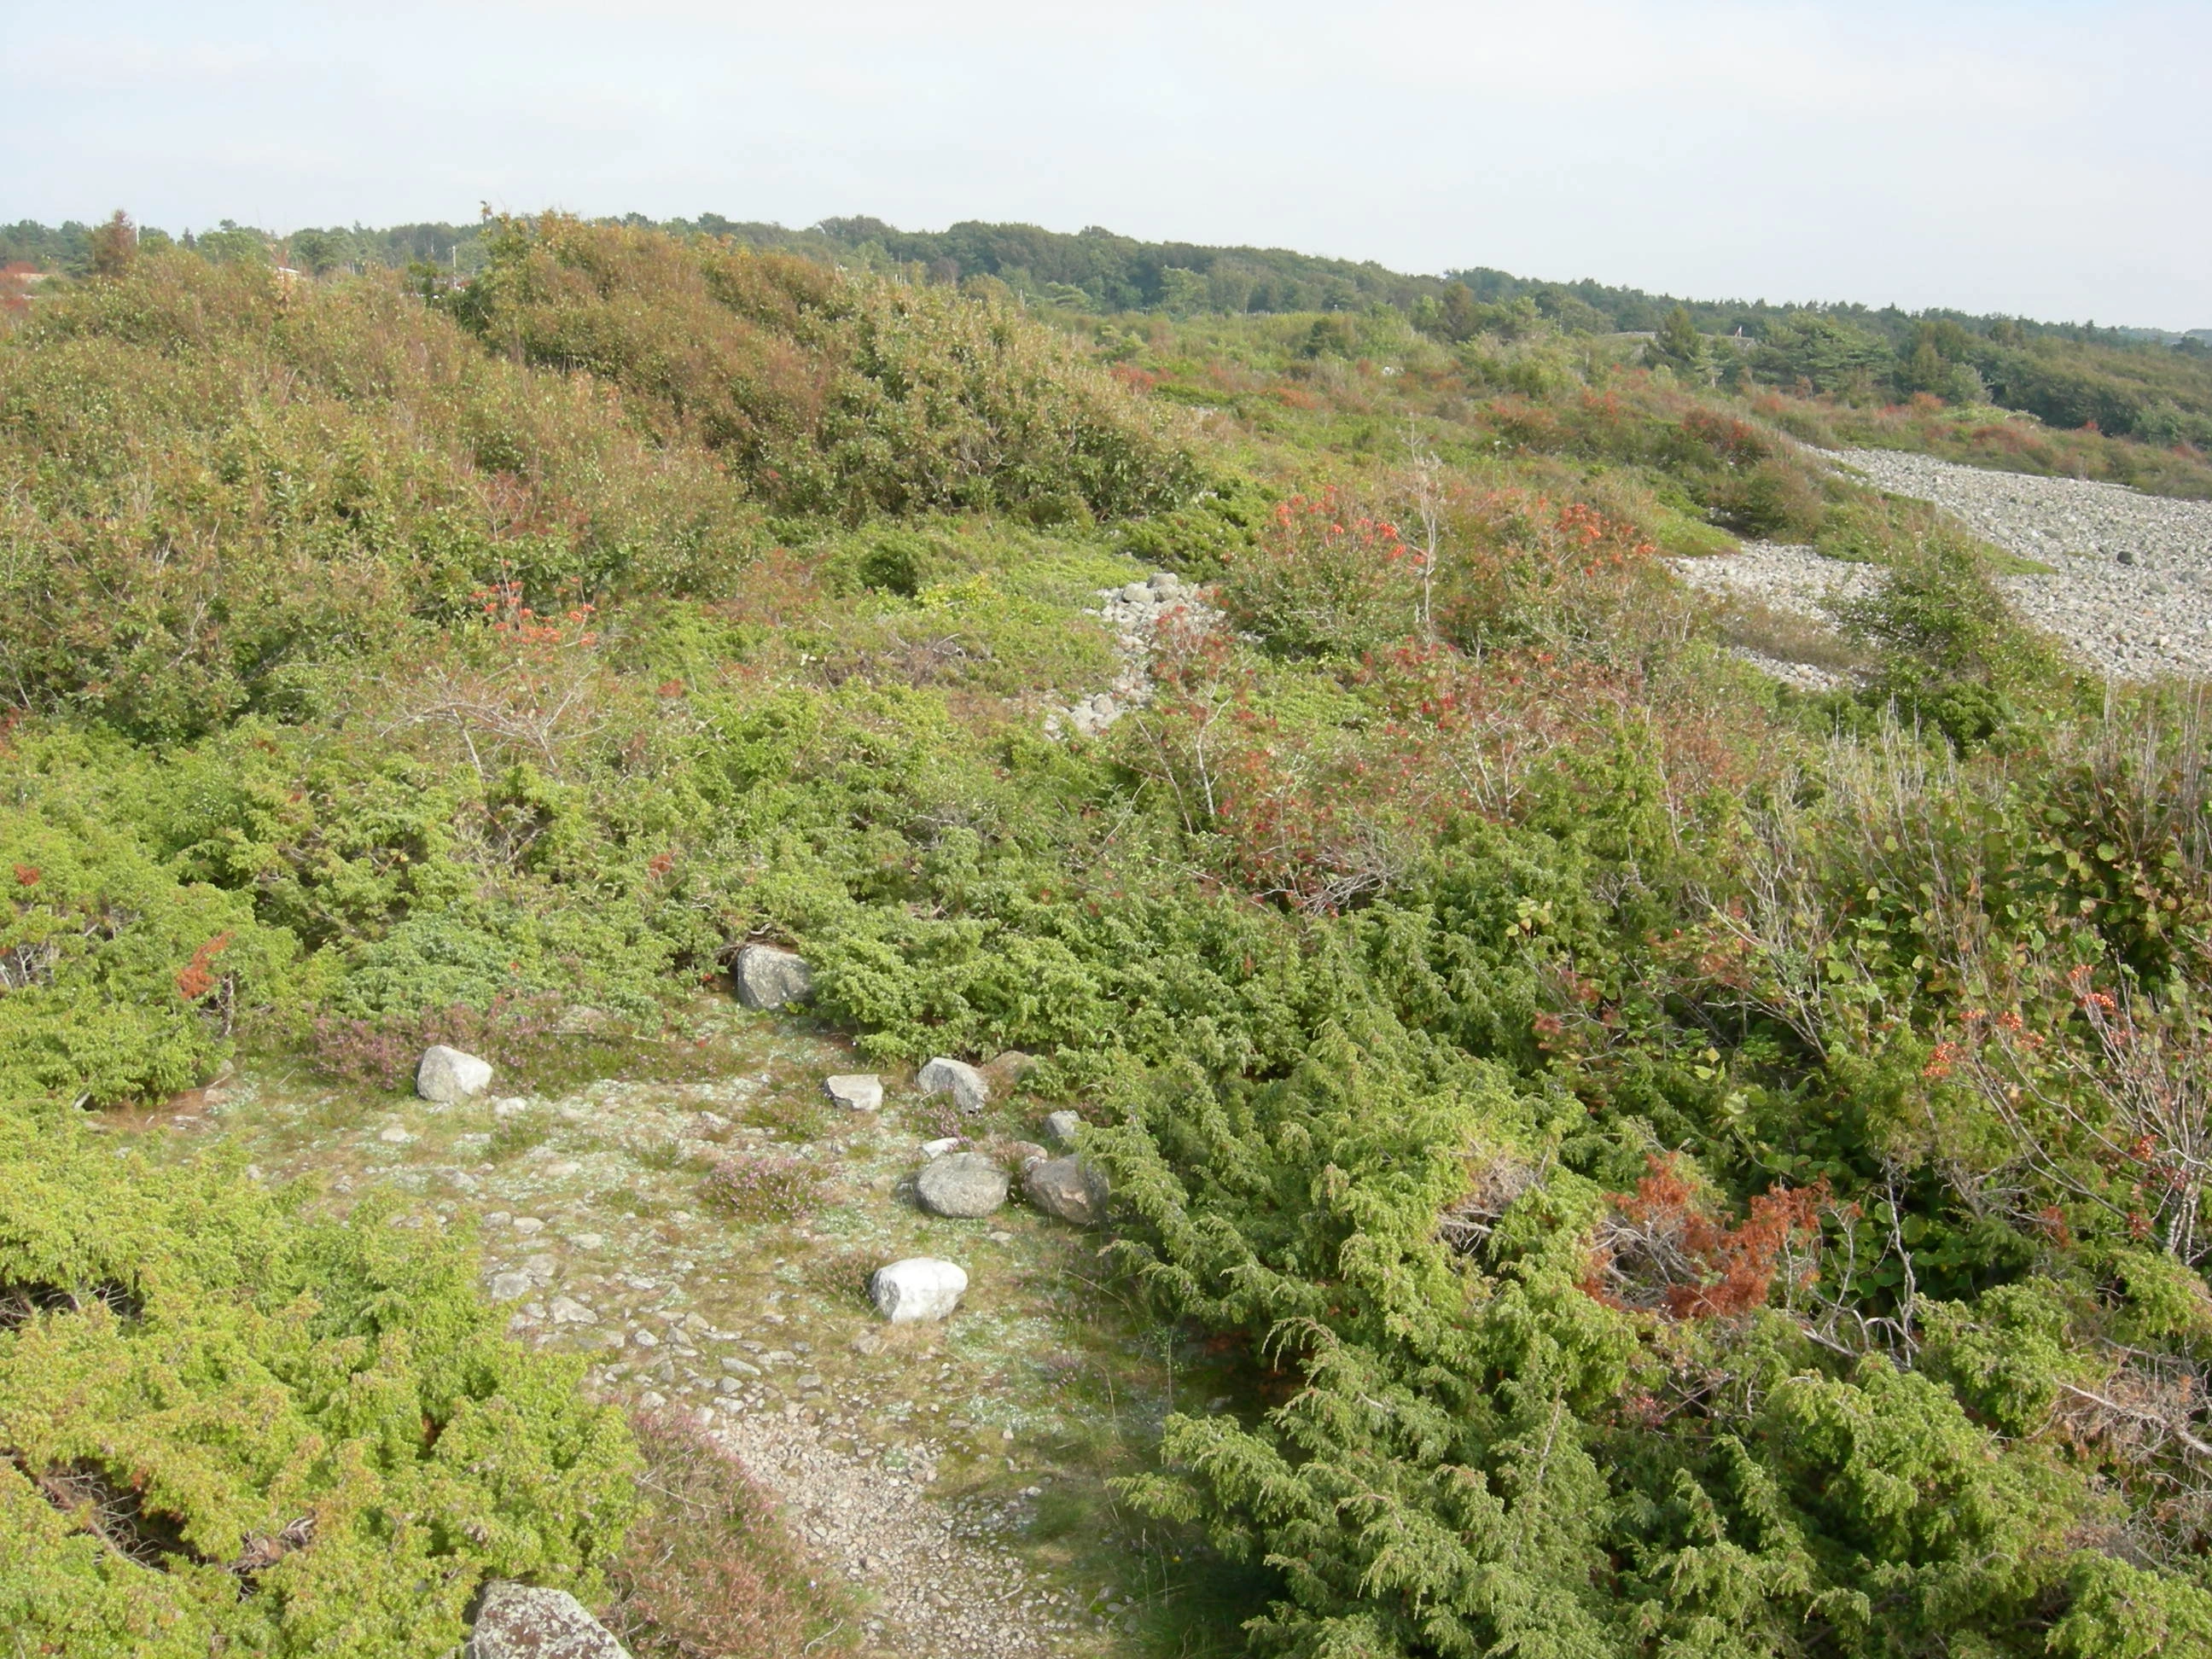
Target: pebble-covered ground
{"x":2130,"y":588}
{"x":1133,"y":611}
{"x":1782,"y":577}
{"x":2127,"y":587}
{"x":953,"y":1474}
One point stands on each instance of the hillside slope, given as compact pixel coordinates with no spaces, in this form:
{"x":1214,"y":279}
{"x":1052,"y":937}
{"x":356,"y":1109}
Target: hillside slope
{"x":1605,"y":1155}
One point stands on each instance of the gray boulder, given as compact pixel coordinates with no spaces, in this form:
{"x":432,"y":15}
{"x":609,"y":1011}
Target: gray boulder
{"x":1066,"y":1187}
{"x":970,"y":1089}
{"x":1023,"y":1153}
{"x":447,"y":1075}
{"x":962,"y":1185}
{"x":919,"y":1289}
{"x":858,"y":1091}
{"x":523,"y":1621}
{"x":765,"y":977}
{"x":1059,"y":1130}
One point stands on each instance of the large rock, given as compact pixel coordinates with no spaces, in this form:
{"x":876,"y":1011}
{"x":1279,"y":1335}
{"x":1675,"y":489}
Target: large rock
{"x":1060,"y":1128}
{"x":918,"y":1289}
{"x":962,"y":1185}
{"x":1003,"y":1072}
{"x":970,"y":1089}
{"x":447,"y":1075}
{"x":859,"y":1092}
{"x":1066,"y":1187}
{"x":523,"y":1621}
{"x":765,"y":977}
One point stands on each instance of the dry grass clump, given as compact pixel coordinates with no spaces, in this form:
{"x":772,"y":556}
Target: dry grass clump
{"x":1788,"y":637}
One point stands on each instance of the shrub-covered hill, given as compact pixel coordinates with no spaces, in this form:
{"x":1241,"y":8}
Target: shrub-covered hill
{"x":2120,"y":403}
{"x":1690,"y":1169}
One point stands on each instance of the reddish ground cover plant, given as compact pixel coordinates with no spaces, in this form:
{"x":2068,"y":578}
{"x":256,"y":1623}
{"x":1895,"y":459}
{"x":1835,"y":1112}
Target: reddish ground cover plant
{"x":1663,"y":1249}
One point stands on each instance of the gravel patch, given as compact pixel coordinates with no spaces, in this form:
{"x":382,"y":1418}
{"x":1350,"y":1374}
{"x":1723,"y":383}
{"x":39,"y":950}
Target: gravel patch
{"x":2130,"y":590}
{"x":1787,"y":578}
{"x":940,"y":1589}
{"x":1134,"y":612}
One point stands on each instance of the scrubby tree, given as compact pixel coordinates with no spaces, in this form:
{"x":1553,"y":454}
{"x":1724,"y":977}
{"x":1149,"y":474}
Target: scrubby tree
{"x":1679,"y":346}
{"x":115,"y":246}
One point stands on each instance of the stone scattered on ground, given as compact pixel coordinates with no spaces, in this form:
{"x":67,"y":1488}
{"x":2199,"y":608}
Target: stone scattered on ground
{"x":1784,"y":576}
{"x":964,"y":1186}
{"x":921,"y":1288}
{"x":593,"y":1246}
{"x":859,"y":1092}
{"x":2130,"y":588}
{"x":938,"y":1148}
{"x":1066,"y":1187}
{"x":447,"y":1076}
{"x":1060,"y":1128}
{"x":969,"y":1089}
{"x":1134,"y":612}
{"x":524,"y":1621}
{"x":765,"y":977}
{"x":1023,"y":1153}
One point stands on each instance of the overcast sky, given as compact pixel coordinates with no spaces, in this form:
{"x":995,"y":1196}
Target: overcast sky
{"x":2049,"y":159}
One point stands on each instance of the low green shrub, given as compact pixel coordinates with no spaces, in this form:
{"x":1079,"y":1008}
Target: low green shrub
{"x":117,"y":980}
{"x":225,"y":1426}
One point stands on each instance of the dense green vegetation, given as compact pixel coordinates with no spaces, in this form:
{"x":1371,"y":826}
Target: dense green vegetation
{"x":2142,"y":385}
{"x":226,"y":1427}
{"x":1694,"y":1169}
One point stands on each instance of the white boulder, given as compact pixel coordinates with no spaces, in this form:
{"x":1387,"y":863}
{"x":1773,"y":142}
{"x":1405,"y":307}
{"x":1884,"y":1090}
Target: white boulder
{"x":447,"y":1075}
{"x":919,"y":1289}
{"x":858,"y":1091}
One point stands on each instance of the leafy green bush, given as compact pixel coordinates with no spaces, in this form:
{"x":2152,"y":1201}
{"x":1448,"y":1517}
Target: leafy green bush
{"x":117,"y":980}
{"x":228,"y":485}
{"x":225,"y":1426}
{"x":1954,"y":653}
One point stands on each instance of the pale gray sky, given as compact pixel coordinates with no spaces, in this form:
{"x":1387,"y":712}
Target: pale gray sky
{"x":2044,"y":158}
